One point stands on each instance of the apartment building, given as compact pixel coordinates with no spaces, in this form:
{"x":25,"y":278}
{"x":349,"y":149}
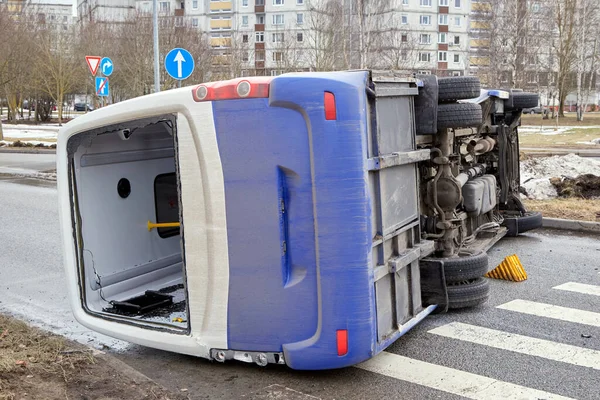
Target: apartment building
{"x":105,"y":10}
{"x":55,"y":13}
{"x":438,"y":35}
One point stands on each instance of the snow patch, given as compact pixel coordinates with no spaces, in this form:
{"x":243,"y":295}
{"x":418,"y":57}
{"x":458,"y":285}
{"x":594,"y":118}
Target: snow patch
{"x":536,"y":173}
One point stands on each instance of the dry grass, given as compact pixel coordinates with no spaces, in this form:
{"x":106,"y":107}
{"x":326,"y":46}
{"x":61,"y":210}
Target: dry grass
{"x":570,"y":119}
{"x":29,"y":351}
{"x":578,"y":209}
{"x":568,"y":139}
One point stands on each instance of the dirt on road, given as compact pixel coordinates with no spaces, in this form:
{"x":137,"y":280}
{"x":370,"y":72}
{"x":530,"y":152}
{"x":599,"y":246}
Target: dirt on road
{"x":38,"y":365}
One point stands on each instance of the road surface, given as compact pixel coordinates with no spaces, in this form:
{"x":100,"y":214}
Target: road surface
{"x":23,"y":163}
{"x":539,"y":339}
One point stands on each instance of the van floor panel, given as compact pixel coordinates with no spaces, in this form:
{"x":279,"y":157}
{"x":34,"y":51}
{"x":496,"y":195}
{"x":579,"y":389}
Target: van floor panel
{"x":171,"y":314}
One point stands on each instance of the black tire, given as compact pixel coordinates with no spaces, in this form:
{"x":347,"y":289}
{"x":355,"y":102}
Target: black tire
{"x":458,"y":88}
{"x":525,"y":100}
{"x":468,"y":294}
{"x":531,"y":220}
{"x":459,"y":115}
{"x":467,"y":267}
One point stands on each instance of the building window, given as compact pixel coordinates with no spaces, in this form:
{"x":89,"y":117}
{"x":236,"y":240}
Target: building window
{"x":443,"y":3}
{"x":425,"y":19}
{"x":244,"y":38}
{"x":404,"y":19}
{"x":442,"y":56}
{"x":277,"y":56}
{"x":244,"y":20}
{"x":456,"y":73}
{"x":260,"y":19}
{"x":456,"y":58}
{"x":259,"y":56}
{"x":300,"y":37}
{"x":277,"y":19}
{"x":425,"y":3}
{"x":443,"y":19}
{"x":424,"y":72}
{"x":457,"y":3}
{"x":457,"y":40}
{"x":457,"y":21}
{"x":425,"y":38}
{"x":276,"y":72}
{"x":165,"y":6}
{"x":278,"y":2}
{"x":259,"y":2}
{"x":404,"y":2}
{"x":245,"y":56}
{"x":442,"y":38}
{"x":299,"y":18}
{"x":277,"y":37}
{"x":299,"y":2}
{"x":404,"y":38}
{"x":260,"y":37}
{"x":194,"y":22}
{"x":244,"y":3}
{"x":424,"y":57}
{"x":404,"y":55}
{"x":195,"y":4}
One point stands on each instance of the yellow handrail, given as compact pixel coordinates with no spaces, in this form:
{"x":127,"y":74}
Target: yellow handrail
{"x":152,"y":225}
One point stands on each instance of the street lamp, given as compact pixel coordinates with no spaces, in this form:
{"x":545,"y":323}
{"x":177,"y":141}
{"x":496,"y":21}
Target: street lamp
{"x":156,"y":53}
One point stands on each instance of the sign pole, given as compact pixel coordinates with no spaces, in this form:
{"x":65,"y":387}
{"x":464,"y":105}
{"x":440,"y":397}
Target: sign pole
{"x":156,"y":53}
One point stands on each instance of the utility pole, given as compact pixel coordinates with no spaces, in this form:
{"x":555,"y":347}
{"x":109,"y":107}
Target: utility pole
{"x":156,"y":53}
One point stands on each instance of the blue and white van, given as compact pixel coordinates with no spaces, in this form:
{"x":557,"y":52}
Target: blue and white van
{"x":302,"y":219}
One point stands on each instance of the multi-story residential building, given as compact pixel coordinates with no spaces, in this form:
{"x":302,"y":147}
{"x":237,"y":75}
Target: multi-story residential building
{"x":58,"y":13}
{"x":274,"y":36}
{"x":105,"y":10}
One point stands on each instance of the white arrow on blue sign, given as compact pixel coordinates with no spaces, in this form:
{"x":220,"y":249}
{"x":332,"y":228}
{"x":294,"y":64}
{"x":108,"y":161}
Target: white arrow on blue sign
{"x":106,"y":66}
{"x":179,"y":63}
{"x":102,"y":86}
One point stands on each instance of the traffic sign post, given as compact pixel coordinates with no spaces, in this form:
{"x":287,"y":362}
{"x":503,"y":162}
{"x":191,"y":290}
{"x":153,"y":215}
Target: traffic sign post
{"x":179,"y":64}
{"x":106,"y":66}
{"x":102,"y":88}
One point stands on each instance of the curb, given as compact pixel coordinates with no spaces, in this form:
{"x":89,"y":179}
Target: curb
{"x":571,"y":225}
{"x":20,"y":150}
{"x":118,"y":365}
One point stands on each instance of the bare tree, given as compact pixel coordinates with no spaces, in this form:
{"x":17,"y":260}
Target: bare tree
{"x":588,"y":18}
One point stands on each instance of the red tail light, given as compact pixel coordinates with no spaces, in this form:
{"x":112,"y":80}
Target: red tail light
{"x":342,"y":342}
{"x":330,"y":112}
{"x":243,"y":88}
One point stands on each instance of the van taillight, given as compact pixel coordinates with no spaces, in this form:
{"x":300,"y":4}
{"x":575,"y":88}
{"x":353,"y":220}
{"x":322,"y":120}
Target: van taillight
{"x":244,"y":88}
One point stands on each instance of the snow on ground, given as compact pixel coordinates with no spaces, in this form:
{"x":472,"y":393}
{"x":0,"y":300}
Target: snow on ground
{"x":536,"y":173}
{"x":552,"y":130}
{"x":34,"y":134}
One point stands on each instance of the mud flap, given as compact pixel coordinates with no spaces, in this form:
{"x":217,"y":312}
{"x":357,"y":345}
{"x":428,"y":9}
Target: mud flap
{"x":426,"y":104}
{"x":433,"y":284}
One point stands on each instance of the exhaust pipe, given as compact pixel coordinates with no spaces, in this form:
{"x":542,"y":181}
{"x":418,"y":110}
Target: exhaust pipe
{"x":481,"y":146}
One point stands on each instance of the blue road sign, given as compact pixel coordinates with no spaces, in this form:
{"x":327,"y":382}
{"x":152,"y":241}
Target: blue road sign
{"x":102,"y":88}
{"x":106,"y":66}
{"x":179,"y":63}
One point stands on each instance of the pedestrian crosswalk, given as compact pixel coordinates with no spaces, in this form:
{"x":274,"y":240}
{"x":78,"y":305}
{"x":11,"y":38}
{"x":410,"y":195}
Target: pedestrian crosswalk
{"x":478,"y":386}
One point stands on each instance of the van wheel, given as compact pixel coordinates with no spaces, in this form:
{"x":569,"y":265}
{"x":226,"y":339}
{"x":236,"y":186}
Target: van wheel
{"x":469,"y":293}
{"x":465,"y":267}
{"x":459,"y":115}
{"x":525,"y":100}
{"x":458,"y":88}
{"x":521,"y":224}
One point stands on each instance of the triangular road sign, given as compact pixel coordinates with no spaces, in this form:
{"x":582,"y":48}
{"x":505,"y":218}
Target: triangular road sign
{"x":93,"y":62}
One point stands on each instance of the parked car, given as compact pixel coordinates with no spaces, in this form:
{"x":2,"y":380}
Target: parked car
{"x":536,"y":110}
{"x":83,"y":107}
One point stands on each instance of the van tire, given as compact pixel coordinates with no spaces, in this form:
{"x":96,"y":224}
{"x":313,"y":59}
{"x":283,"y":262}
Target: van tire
{"x":465,"y":267}
{"x":520,"y":224}
{"x":468,"y":294}
{"x":458,"y":88}
{"x":523,"y":100}
{"x":459,"y":115}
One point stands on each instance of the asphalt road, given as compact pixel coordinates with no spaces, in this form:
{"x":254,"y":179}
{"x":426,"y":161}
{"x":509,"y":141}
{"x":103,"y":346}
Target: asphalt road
{"x":23,"y":163}
{"x":531,"y":349}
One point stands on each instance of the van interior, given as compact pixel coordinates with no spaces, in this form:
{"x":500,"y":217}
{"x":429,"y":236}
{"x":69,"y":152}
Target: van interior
{"x":124,"y":181}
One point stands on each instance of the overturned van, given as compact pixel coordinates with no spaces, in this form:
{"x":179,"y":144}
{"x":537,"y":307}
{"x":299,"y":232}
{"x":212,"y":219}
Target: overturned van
{"x":307,"y":219}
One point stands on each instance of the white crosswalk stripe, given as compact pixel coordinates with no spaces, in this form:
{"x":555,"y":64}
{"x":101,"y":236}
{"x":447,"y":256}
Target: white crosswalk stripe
{"x":520,"y":344}
{"x":450,"y":380}
{"x":579,"y":288}
{"x":552,"y":311}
